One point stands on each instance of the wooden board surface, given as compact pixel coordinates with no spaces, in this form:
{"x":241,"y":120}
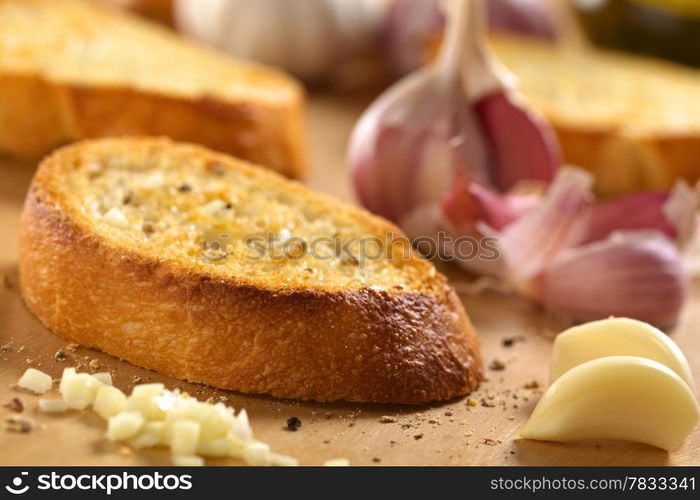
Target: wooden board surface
{"x":452,"y":433}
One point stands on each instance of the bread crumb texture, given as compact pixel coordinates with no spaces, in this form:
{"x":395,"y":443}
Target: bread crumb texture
{"x":83,"y":42}
{"x":230,"y":219}
{"x":638,"y":95}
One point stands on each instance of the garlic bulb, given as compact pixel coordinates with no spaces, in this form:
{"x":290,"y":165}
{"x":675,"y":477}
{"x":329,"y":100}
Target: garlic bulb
{"x":455,"y":118}
{"x":308,"y":38}
{"x":449,"y":150}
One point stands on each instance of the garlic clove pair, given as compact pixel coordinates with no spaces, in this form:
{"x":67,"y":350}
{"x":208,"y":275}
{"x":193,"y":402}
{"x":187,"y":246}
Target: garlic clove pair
{"x":617,"y":378}
{"x":616,"y":397}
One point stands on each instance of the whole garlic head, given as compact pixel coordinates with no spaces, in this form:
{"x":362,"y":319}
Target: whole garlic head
{"x":305,"y":37}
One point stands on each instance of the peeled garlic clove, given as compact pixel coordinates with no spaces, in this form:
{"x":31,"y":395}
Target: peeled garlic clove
{"x":523,"y":144}
{"x":638,"y":275}
{"x":616,"y":337}
{"x":617,"y":397}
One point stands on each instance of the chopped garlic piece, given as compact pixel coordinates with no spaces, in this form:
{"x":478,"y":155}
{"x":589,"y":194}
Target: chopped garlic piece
{"x":52,"y":405}
{"x":241,"y":427}
{"x":337,"y":462}
{"x":257,"y":453}
{"x":79,"y":390}
{"x":67,"y":374}
{"x":143,"y":399}
{"x":185,"y":436}
{"x":153,"y":416}
{"x":152,"y":434}
{"x":124,"y":425}
{"x":187,"y":460}
{"x":109,"y":401}
{"x":36,"y":381}
{"x":148,"y":390}
{"x":115,"y":217}
{"x":104,"y":377}
{"x":283,"y":460}
{"x":214,"y":447}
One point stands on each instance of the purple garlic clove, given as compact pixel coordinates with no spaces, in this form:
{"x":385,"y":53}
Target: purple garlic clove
{"x":523,"y":146}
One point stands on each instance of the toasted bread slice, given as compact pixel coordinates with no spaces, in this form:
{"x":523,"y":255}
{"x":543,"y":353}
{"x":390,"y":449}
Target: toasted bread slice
{"x":633,"y":121}
{"x":208,"y":269}
{"x":75,"y":69}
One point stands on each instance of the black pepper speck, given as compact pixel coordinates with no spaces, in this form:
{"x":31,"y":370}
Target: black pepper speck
{"x":293,"y":424}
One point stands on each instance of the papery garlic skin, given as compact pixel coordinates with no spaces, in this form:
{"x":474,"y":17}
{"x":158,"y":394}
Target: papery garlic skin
{"x":672,"y":213}
{"x":408,"y":144}
{"x":531,"y":243}
{"x":546,"y":255}
{"x":616,"y":397}
{"x":616,"y":337}
{"x":638,"y":275}
{"x":308,"y":38}
{"x":413,"y":27}
{"x":467,"y":204}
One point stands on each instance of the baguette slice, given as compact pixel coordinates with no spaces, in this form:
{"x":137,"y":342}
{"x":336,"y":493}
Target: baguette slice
{"x":142,"y":248}
{"x":632,"y":121}
{"x":74,"y":69}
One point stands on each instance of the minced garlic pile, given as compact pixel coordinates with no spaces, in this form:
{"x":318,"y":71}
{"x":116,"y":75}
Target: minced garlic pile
{"x":152,"y":416}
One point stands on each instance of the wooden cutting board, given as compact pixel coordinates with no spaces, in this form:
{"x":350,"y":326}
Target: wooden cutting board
{"x":452,"y":433}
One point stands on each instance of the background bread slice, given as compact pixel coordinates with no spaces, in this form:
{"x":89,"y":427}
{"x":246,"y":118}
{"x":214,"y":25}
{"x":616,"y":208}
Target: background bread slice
{"x":633,"y":121}
{"x":389,"y":330}
{"x":74,"y":69}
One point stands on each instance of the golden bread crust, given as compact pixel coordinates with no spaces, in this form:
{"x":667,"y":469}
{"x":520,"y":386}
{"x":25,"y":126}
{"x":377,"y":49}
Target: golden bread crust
{"x":366,"y":344}
{"x":42,"y":108}
{"x":631,"y":120}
